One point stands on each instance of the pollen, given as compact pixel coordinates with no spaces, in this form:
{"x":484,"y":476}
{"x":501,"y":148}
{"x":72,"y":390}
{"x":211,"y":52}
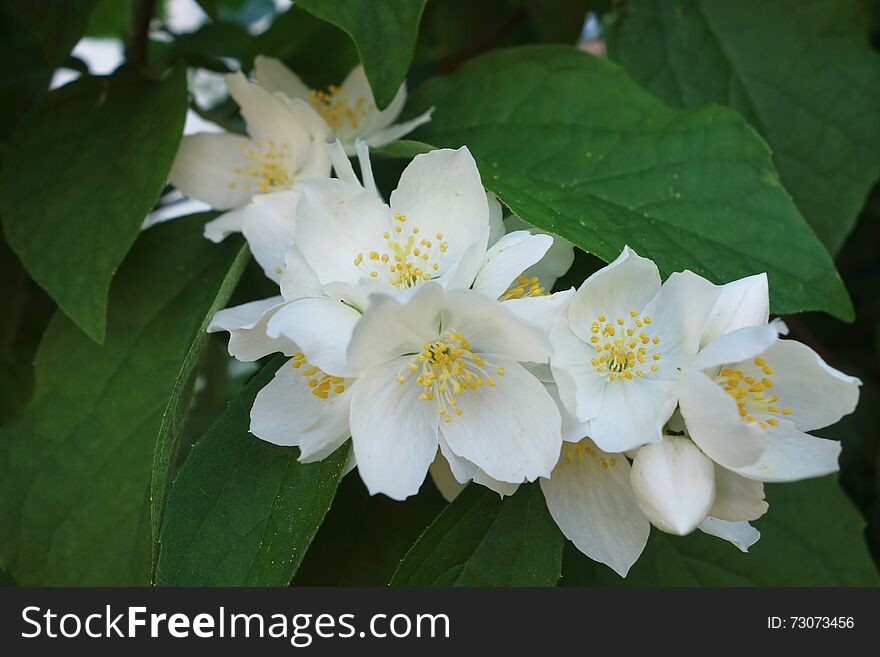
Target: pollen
{"x":446,"y":368}
{"x":265,"y":164}
{"x":753,"y":403}
{"x":338,"y":109}
{"x":582,"y":452}
{"x":623,"y":347}
{"x":522,"y":288}
{"x":322,"y":385}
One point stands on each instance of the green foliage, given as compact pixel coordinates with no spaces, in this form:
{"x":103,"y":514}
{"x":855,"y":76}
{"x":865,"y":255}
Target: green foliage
{"x":812,"y":536}
{"x":602,"y":163}
{"x":24,"y":72}
{"x":58,"y":23}
{"x":75,"y":464}
{"x":243,"y":511}
{"x":482,"y":539}
{"x":384,"y":32}
{"x":80,"y":176}
{"x":805,"y":77}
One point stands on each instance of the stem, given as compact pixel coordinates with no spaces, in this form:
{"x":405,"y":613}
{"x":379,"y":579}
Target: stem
{"x":140,"y":15}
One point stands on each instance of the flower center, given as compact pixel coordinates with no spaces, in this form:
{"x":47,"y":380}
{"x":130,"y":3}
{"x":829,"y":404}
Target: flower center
{"x":750,"y":394}
{"x":337,"y":110}
{"x":577,"y":452}
{"x":322,"y":385}
{"x":623,"y":346}
{"x":522,"y":288}
{"x":447,"y":367}
{"x":409,"y":259}
{"x":266,"y":163}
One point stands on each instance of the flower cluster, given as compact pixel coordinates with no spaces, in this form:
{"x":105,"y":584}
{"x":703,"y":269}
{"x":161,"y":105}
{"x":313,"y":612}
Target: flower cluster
{"x":424,"y":329}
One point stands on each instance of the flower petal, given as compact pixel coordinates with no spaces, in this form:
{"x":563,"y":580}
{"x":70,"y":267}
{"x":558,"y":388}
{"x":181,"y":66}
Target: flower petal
{"x":741,"y":534}
{"x":633,"y":413}
{"x":462,"y":469}
{"x":496,"y":220}
{"x":298,"y":279}
{"x":268,"y":227}
{"x":595,"y":506}
{"x":737,"y":498}
{"x":394,"y":434}
{"x":273,"y":75}
{"x":556,"y":262}
{"x":792,"y":455}
{"x":541,"y":311}
{"x":441,"y":192}
{"x":744,"y":302}
{"x":739,"y":345}
{"x":714,"y":423}
{"x":503,"y":488}
{"x":510,"y":431}
{"x":394,"y":132}
{"x":321,"y":327}
{"x":443,"y":478}
{"x":246,"y":324}
{"x":507,"y":259}
{"x":205,"y":169}
{"x":674,"y":483}
{"x":223,"y":226}
{"x":626,"y":284}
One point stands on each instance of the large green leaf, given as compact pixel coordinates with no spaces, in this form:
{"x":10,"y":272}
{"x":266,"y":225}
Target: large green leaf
{"x":24,"y":73}
{"x":483,"y":540}
{"x":75,"y":464}
{"x":59,"y":23}
{"x":384,"y":32}
{"x":803,"y":73}
{"x":571,"y":144}
{"x":242,"y":511}
{"x":811,"y":536}
{"x":81,"y":173}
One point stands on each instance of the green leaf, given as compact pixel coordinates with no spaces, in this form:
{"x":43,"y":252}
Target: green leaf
{"x":558,"y":21}
{"x":803,"y":74}
{"x":242,"y":512}
{"x":24,"y":73}
{"x":402,"y":149}
{"x":811,"y":536}
{"x":384,"y":32}
{"x":81,"y":174}
{"x":75,"y":464}
{"x":574,"y":146}
{"x":59,"y":24}
{"x":484,"y":540}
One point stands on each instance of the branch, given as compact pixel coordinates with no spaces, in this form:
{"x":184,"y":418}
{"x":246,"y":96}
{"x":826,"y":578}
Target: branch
{"x":140,"y":15}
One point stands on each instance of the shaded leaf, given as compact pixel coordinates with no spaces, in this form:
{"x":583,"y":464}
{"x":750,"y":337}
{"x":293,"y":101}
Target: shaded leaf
{"x":242,"y":512}
{"x":59,"y":24}
{"x":803,"y":74}
{"x":80,"y":175}
{"x":75,"y":464}
{"x":574,"y":146}
{"x":484,"y":540}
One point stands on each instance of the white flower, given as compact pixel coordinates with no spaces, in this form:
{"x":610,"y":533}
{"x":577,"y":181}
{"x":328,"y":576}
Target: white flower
{"x":349,"y":110}
{"x":285,"y":144}
{"x":749,"y":398}
{"x":618,"y":350}
{"x":556,"y":262}
{"x":443,"y":369}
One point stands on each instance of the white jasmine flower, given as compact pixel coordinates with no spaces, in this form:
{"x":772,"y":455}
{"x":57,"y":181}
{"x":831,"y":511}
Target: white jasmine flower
{"x":749,"y":398}
{"x":555,"y":263}
{"x":349,"y":110}
{"x":285,"y":144}
{"x":618,"y":350}
{"x":443,"y":369}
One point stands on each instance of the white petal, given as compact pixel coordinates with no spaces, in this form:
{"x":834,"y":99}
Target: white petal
{"x":792,"y":455}
{"x":737,"y":498}
{"x":503,"y":488}
{"x":595,"y":507}
{"x":461,"y":275}
{"x":441,"y":192}
{"x":714,"y":423}
{"x":322,"y":328}
{"x":541,"y":311}
{"x":394,"y":326}
{"x":511,"y":431}
{"x":496,"y":221}
{"x":817,"y":394}
{"x":396,"y":131}
{"x":341,"y":164}
{"x":556,"y":262}
{"x":335,"y":222}
{"x":491,"y":328}
{"x":744,"y":302}
{"x":741,"y":534}
{"x":273,"y":75}
{"x":462,"y":469}
{"x":443,"y":478}
{"x":581,"y":387}
{"x":331,"y":429}
{"x":738,"y":345}
{"x":628,"y":283}
{"x":674,"y":483}
{"x":246,"y":324}
{"x":298,"y":279}
{"x":268,"y":227}
{"x":633,"y":413}
{"x":363,"y":155}
{"x":507,"y":259}
{"x":205,"y":169}
{"x":225,"y":225}
{"x":573,"y":430}
{"x":393,"y":432}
